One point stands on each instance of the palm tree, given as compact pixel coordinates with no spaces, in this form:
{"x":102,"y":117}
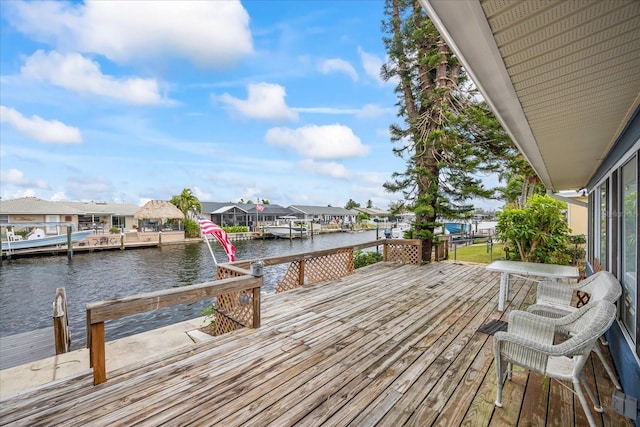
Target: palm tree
{"x":186,"y":202}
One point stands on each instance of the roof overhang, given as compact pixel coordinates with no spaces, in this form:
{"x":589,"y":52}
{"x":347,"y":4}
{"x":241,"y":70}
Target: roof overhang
{"x":225,"y":209}
{"x":563,"y":77}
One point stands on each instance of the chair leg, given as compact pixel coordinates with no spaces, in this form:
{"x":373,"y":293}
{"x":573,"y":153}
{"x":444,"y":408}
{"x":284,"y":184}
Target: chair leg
{"x":607,"y":367}
{"x":509,"y":371}
{"x":596,"y":402}
{"x":583,"y":402}
{"x":499,"y":382}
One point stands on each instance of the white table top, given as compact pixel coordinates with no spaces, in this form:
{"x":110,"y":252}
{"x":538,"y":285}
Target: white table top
{"x":534,"y":269}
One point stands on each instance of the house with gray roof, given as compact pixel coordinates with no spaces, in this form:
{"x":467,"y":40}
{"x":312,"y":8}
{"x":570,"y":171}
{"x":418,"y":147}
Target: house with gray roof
{"x":100,"y":216}
{"x":378,"y":215}
{"x":244,"y":214}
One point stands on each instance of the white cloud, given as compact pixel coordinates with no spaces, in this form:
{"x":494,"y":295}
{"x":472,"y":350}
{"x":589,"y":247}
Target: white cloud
{"x":88,"y":188}
{"x":59,"y":197}
{"x":208,"y":33}
{"x":340,"y":66}
{"x":79,"y":74}
{"x":326,"y":110}
{"x":373,"y":111}
{"x":368,"y":111}
{"x":16,"y":177}
{"x":49,"y":131}
{"x":265,"y":101}
{"x":371,"y":64}
{"x":318,"y":142}
{"x":331,"y":169}
{"x":201,"y":194}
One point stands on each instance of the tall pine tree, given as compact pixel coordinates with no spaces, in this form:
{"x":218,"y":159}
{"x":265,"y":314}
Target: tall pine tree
{"x":449,"y":137}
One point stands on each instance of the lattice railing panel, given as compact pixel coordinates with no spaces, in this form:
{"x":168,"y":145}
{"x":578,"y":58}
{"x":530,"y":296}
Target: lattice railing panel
{"x":225,"y":273}
{"x":404,"y":254}
{"x":291,"y":278}
{"x":329,"y":267}
{"x":317,"y":269}
{"x":234,"y":311}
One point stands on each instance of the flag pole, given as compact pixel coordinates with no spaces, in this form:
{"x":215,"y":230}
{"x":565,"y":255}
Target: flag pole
{"x":204,"y":236}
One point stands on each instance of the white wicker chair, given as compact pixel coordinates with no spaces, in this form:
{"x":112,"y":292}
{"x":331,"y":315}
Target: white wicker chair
{"x":528,"y":342}
{"x":554,"y":300}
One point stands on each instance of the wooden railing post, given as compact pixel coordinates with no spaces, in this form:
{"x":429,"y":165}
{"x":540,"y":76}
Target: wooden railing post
{"x":256,"y":307}
{"x":384,"y":251}
{"x":97,"y":353}
{"x":301,"y":273}
{"x":61,"y":334}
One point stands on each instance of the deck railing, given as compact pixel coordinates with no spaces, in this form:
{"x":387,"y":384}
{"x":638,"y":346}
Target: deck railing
{"x":100,"y":312}
{"x":238,"y":292}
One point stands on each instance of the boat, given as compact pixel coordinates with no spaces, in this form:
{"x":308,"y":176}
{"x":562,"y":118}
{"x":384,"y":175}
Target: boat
{"x":37,"y":239}
{"x":397,"y":232}
{"x":454,"y":227}
{"x":287,"y":230}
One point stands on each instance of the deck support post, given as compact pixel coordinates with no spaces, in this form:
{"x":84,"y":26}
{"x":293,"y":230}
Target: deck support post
{"x":69,"y":244}
{"x":301,"y":273}
{"x":62,"y":337}
{"x":256,"y":307}
{"x":97,"y":353}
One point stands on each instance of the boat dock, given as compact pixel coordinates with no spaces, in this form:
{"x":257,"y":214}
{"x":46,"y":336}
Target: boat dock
{"x":62,"y":250}
{"x":103,"y":242}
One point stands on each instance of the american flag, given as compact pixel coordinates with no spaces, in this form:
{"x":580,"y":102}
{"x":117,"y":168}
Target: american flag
{"x":259,"y":207}
{"x":210,"y":227}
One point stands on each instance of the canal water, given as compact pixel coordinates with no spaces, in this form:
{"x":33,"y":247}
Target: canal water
{"x":28,"y":285}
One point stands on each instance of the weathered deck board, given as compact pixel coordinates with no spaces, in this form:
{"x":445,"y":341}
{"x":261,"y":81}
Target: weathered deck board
{"x":389,"y":345}
{"x":26,"y":347}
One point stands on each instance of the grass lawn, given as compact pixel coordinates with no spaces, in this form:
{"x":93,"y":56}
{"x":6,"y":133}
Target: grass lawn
{"x":477,"y":253}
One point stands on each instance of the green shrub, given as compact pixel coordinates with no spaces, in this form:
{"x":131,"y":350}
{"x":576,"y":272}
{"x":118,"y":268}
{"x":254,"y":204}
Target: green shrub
{"x":361,"y":258}
{"x":235,"y":229}
{"x":209,"y":314}
{"x":538,"y":232}
{"x":114,"y":230}
{"x":191,"y":228}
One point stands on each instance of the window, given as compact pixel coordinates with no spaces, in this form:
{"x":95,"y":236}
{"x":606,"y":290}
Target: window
{"x":602,"y":223}
{"x":117,"y":221}
{"x":52,"y":229}
{"x":628,"y":210}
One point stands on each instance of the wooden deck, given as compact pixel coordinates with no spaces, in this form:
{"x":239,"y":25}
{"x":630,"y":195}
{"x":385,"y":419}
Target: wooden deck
{"x":389,"y":345}
{"x":26,"y":347}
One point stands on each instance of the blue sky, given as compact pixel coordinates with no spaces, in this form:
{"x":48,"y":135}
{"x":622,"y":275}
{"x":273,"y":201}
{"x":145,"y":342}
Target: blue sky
{"x":132,"y":101}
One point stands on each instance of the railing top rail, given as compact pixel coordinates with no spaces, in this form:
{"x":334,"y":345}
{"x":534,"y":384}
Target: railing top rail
{"x":101,"y":311}
{"x":306,"y":255}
